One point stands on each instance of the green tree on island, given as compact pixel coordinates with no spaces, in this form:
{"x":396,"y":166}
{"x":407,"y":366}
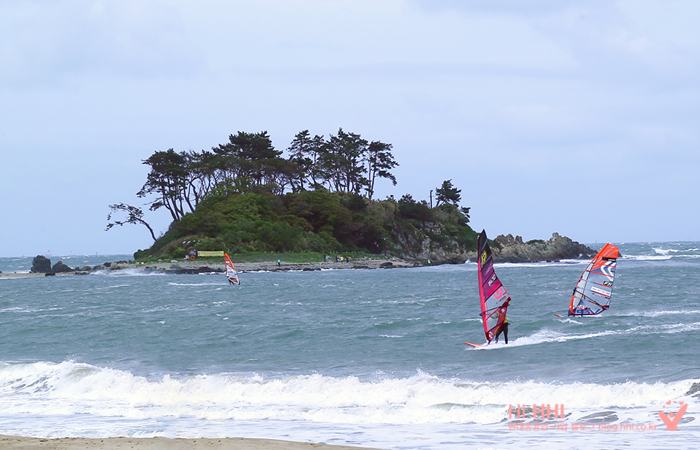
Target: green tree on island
{"x":134,"y":216}
{"x":447,"y":194}
{"x":245,"y":196}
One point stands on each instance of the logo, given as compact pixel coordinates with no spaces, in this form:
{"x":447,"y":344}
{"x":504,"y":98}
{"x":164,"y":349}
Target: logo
{"x":543,"y":412}
{"x":548,"y":418}
{"x":671,"y":419}
{"x":608,"y":270}
{"x":492,"y":279}
{"x":601,"y":292}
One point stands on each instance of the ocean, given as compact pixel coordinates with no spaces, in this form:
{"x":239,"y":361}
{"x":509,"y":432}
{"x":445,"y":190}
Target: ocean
{"x":370,"y":358}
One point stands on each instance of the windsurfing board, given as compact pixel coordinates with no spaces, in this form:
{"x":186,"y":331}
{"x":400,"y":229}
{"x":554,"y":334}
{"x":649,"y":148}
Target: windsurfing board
{"x":474,"y":345}
{"x":558,"y":315}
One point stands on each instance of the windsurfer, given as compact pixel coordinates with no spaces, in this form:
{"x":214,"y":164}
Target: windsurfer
{"x":504,"y":326}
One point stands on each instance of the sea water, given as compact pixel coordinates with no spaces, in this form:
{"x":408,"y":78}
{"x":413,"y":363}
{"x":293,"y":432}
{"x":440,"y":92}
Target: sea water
{"x":371,"y":358}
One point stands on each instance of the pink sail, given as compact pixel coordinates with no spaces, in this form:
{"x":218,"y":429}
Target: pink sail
{"x":494,"y":297}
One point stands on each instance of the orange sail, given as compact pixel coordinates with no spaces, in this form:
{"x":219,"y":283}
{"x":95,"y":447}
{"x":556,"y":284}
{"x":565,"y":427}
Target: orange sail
{"x":231,"y":273}
{"x":594,"y":288}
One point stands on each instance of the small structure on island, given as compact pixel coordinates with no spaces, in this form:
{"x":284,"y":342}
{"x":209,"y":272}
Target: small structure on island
{"x":210,"y":254}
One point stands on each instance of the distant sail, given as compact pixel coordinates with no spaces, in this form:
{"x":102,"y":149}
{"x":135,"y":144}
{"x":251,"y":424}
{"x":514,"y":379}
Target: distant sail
{"x":494,"y":297}
{"x":231,"y":273}
{"x":593,"y":291}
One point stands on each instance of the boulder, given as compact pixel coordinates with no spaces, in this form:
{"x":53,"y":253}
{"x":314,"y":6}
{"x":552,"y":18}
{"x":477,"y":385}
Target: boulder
{"x":41,"y":264}
{"x":59,"y":267}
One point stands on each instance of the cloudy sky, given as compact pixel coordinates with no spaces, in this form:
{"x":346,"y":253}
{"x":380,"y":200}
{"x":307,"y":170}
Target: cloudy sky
{"x":576,"y":117}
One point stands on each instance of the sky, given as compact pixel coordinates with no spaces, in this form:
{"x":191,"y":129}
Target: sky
{"x":575,"y":117}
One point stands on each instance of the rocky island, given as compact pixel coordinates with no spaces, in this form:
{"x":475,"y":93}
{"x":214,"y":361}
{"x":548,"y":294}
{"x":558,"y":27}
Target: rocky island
{"x":514,"y":250}
{"x":246,"y":198}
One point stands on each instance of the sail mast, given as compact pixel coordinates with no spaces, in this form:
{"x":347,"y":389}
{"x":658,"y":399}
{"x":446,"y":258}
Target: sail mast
{"x":493,"y":295}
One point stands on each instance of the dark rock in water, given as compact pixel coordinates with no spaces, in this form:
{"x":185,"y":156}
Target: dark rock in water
{"x":190,"y":271}
{"x":456,"y":260}
{"x":59,"y":267}
{"x":50,"y":274}
{"x":694,"y":389}
{"x":387,"y":265}
{"x":107,"y":264}
{"x":41,"y":264}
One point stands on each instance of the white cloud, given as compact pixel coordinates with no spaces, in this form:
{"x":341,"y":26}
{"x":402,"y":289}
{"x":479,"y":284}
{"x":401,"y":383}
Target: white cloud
{"x":48,"y":42}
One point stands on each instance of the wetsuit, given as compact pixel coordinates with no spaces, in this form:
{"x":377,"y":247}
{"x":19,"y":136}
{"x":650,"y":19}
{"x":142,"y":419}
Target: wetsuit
{"x":504,"y":330}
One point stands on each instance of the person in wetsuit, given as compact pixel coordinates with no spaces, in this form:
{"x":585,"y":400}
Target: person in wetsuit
{"x":504,"y":327}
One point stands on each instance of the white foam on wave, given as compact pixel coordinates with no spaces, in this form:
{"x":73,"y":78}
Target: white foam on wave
{"x":112,"y":286}
{"x":646,"y":257}
{"x":664,"y":313}
{"x":563,"y":262}
{"x":127,"y":273}
{"x":70,"y":389}
{"x":663,"y":254}
{"x":547,"y":336}
{"x":662,"y":251}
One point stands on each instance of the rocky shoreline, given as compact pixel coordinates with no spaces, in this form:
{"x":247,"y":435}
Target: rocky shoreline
{"x":212,"y":266}
{"x":512,"y":249}
{"x":208,"y":266}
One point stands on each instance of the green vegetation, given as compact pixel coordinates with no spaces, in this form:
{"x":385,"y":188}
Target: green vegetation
{"x":535,"y":241}
{"x":244,"y":198}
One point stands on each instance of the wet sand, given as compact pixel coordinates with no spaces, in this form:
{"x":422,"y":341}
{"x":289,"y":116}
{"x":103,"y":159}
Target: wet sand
{"x":160,"y":443}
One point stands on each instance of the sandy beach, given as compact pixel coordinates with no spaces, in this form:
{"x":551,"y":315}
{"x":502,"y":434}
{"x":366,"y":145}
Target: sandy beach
{"x":160,"y":443}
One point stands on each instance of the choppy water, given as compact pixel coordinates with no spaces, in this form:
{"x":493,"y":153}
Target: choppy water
{"x":360,"y":357}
